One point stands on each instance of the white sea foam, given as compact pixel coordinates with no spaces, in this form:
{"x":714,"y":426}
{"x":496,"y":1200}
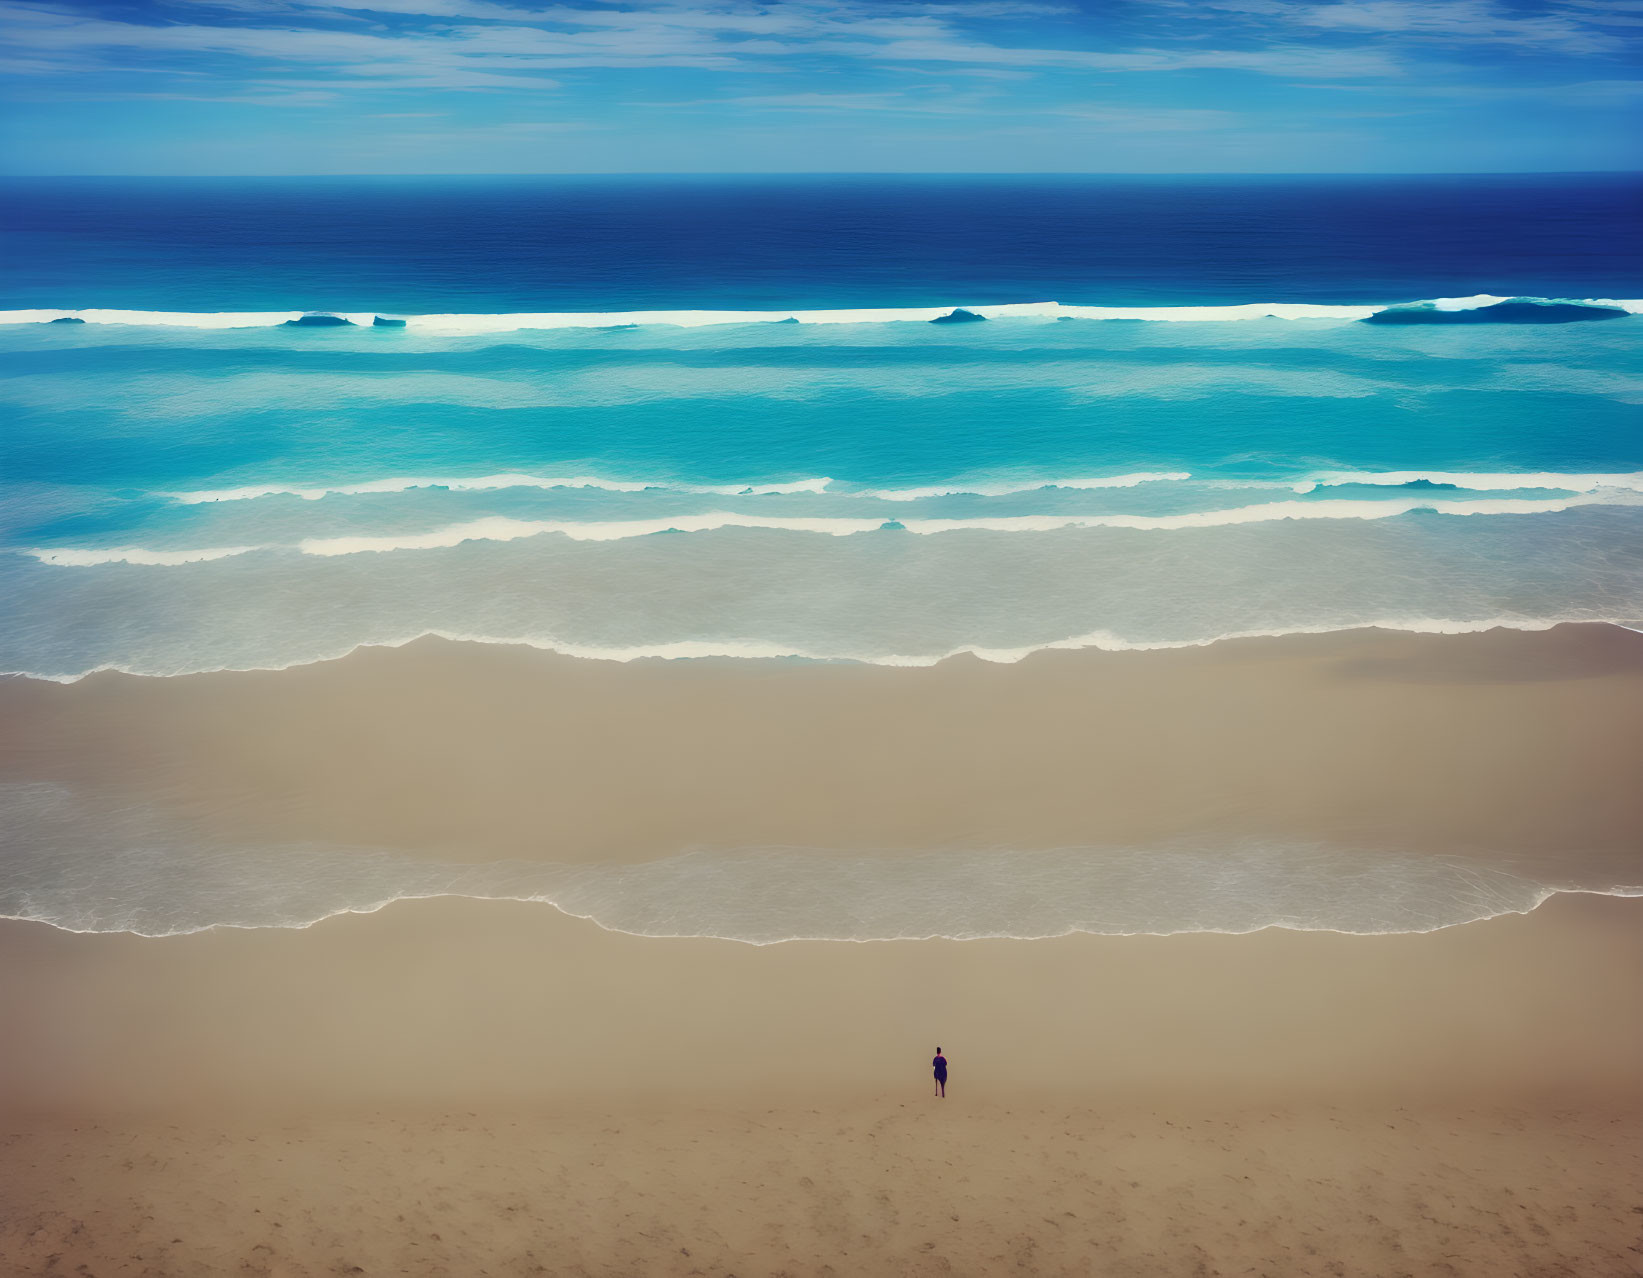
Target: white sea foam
{"x":752,"y":488}
{"x":498,"y":528}
{"x":762,"y":650}
{"x":1006,"y":488}
{"x":501,"y":528}
{"x":490,"y":483}
{"x":83,"y":862}
{"x":165,"y":319}
{"x":480,"y":325}
{"x":1263,"y":512}
{"x":1477,"y":481}
{"x":1479,"y":300}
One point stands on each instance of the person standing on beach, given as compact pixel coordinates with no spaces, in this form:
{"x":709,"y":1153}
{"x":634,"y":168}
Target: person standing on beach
{"x":940,"y":1064}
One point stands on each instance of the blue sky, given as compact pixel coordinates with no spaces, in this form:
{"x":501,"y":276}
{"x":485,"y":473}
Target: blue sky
{"x":1132,"y":86}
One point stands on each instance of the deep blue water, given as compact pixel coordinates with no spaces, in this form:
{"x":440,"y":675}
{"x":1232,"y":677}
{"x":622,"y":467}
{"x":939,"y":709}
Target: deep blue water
{"x":536,"y":244}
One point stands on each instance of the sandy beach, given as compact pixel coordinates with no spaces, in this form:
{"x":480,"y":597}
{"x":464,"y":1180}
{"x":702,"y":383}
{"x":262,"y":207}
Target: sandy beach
{"x":471,"y":1087}
{"x":1047,"y":1186}
{"x":466,"y":1087}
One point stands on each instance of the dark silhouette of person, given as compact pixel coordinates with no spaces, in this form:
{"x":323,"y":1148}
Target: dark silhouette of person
{"x":940,"y":1064}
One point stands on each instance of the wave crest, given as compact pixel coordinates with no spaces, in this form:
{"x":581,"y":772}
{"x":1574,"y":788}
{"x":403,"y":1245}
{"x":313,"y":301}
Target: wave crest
{"x":499,"y":528}
{"x":752,"y":488}
{"x":481,"y":325}
{"x":1513,"y":311}
{"x":1475,"y":481}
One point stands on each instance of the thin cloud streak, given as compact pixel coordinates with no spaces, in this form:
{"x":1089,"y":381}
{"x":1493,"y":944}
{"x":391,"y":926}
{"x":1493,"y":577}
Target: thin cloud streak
{"x":698,"y":38}
{"x":720,"y":85}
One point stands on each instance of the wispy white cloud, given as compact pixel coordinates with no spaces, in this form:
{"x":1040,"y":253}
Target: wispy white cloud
{"x":1468,"y":20}
{"x":1574,"y":28}
{"x":750,"y":74}
{"x":1287,"y":60}
{"x":456,"y":42}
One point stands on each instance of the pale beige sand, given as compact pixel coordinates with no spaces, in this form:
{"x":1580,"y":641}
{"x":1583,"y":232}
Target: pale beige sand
{"x":450,"y":1002}
{"x":1463,"y":1102}
{"x":888,"y":1187}
{"x":467,"y":1087}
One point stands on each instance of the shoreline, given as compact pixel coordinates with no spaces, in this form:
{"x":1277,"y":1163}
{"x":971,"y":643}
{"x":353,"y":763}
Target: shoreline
{"x":689,"y":652}
{"x":1363,"y":781}
{"x":1552,"y":894}
{"x":450,"y":1003}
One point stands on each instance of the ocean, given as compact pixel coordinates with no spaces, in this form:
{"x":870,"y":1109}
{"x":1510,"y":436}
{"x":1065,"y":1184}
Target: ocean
{"x":255,"y":424}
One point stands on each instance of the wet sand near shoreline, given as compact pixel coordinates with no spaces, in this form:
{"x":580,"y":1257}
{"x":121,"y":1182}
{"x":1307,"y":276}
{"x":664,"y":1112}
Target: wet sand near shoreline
{"x":1505,"y":742}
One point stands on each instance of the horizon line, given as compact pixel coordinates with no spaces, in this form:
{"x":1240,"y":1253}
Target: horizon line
{"x":859,"y":173}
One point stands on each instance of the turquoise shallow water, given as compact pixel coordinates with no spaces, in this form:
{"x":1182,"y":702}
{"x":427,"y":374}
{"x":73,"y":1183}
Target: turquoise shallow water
{"x":179,"y":498}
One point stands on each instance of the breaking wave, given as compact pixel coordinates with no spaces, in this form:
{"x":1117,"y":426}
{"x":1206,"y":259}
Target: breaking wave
{"x":494,"y":483}
{"x":499,"y":528}
{"x":768,"y":650}
{"x":1515,"y":311}
{"x":1431,"y":311}
{"x":1475,"y":481}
